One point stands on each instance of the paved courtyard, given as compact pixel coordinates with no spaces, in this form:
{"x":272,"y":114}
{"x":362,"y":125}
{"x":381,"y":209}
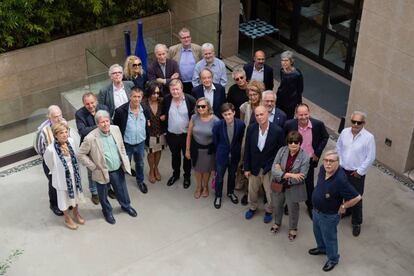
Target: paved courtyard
{"x":175,"y":234}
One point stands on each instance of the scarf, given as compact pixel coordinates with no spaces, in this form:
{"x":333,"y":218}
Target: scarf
{"x":67,"y":172}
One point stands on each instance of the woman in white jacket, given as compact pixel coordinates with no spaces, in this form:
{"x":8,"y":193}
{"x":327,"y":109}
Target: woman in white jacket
{"x":60,"y":157}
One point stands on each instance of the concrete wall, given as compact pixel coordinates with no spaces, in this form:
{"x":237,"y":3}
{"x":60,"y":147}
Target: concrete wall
{"x":25,"y":74}
{"x":383,"y":83}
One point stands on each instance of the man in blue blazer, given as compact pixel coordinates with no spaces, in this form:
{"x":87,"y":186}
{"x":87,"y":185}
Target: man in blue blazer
{"x":315,"y":138}
{"x":214,"y":92}
{"x":263,"y":140}
{"x":117,"y":93}
{"x":258,"y":70}
{"x":227,"y":138}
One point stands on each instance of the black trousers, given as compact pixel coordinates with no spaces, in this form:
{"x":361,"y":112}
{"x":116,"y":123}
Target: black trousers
{"x":52,"y":191}
{"x":309,"y":182}
{"x":356,"y":210}
{"x":176,"y":143}
{"x":187,"y":87}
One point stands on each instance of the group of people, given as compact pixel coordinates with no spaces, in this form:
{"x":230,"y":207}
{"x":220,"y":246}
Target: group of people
{"x":267,"y":142}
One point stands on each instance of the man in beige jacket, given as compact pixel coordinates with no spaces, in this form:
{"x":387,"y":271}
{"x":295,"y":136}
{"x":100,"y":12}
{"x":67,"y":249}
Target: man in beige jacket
{"x":186,"y":54}
{"x":103,"y":152}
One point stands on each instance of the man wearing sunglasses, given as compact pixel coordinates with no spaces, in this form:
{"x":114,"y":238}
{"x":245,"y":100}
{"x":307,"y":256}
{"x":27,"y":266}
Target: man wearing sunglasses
{"x":260,"y":71}
{"x":356,"y":149}
{"x":315,"y":138}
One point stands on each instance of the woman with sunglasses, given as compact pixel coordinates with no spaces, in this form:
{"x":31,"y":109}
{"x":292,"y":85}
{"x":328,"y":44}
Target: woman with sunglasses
{"x":199,"y":145}
{"x":289,"y":170}
{"x":133,"y":71}
{"x":157,"y":141}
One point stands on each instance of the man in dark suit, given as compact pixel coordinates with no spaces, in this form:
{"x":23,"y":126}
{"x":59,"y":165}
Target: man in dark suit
{"x":263,"y":140}
{"x":85,"y":123}
{"x":258,"y":70}
{"x":227,"y":138}
{"x":163,"y":69}
{"x":117,"y":93}
{"x":177,"y":110}
{"x":315,"y":138}
{"x":132,"y":120}
{"x":214,"y":92}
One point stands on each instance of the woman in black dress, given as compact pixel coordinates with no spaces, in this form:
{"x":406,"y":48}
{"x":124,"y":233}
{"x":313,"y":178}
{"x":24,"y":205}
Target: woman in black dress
{"x":289,"y":93}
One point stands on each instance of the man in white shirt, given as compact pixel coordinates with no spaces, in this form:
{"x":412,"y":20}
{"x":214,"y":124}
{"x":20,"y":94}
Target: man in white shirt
{"x":117,"y":93}
{"x":356,"y":150}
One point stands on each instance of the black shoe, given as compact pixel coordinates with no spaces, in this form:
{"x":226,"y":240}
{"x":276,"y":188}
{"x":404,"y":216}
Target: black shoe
{"x":286,"y":210}
{"x":316,"y":251}
{"x":217,"y":202}
{"x":356,"y":230}
{"x":110,"y":219}
{"x":143,"y":187}
{"x":244,"y":200}
{"x":328,"y":266}
{"x":133,"y":172}
{"x":131,"y":211}
{"x":111,"y":194}
{"x":56,"y":210}
{"x":172,"y":180}
{"x":310,"y":213}
{"x":186,"y":183}
{"x":233,"y":198}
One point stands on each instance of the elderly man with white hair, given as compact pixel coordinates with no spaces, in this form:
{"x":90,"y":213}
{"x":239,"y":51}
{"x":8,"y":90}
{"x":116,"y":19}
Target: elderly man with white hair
{"x":211,"y":62}
{"x":44,"y":137}
{"x":163,"y":69}
{"x":356,"y":149}
{"x":103,"y":152}
{"x":117,"y":93}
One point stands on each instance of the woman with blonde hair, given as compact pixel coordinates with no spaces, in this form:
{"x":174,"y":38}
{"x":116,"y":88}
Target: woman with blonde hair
{"x":199,"y":145}
{"x":254,"y":92}
{"x":133,"y":71}
{"x":60,"y":158}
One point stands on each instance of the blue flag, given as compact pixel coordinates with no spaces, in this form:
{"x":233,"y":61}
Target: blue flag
{"x":140,"y":50}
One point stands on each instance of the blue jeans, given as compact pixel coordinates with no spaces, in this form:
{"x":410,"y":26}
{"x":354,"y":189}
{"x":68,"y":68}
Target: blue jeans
{"x":92,"y":184}
{"x":138,"y":152}
{"x":231,"y":178}
{"x":324,"y":229}
{"x":117,"y":180}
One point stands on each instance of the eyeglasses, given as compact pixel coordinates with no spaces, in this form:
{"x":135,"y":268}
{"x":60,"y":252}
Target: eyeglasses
{"x":294,"y":142}
{"x":202,"y":106}
{"x":329,"y":161}
{"x":135,"y":65}
{"x":239,"y":78}
{"x":156,"y":93}
{"x":115,"y":73}
{"x":185,"y":37}
{"x":357,"y":122}
{"x":253,"y":95}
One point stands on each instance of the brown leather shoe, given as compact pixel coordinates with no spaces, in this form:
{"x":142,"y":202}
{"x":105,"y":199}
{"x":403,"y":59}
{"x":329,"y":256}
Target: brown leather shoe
{"x":95,"y":199}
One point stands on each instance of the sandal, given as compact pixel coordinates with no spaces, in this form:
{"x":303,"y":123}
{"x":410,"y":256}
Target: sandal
{"x":275,"y":228}
{"x":71,"y":225}
{"x":292,"y":236}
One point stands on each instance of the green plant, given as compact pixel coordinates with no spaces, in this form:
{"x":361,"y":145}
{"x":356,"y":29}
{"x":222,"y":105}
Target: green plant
{"x":28,"y":22}
{"x":4,"y":265}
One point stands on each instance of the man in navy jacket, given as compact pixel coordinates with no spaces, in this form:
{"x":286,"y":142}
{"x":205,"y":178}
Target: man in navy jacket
{"x":227,"y":138}
{"x":214,"y":92}
{"x":258,"y":70}
{"x":263,"y":140}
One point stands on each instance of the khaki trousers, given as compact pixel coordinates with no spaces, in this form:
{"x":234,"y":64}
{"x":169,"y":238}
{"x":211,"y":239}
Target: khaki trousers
{"x":254,"y":187}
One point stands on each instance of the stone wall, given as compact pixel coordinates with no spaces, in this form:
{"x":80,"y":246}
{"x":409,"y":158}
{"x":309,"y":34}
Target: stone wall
{"x":33,"y":77}
{"x":383,"y":83}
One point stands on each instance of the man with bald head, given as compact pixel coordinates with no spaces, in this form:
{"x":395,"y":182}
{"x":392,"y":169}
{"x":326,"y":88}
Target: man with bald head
{"x":263,"y":140}
{"x":258,"y":70}
{"x":44,"y":137}
{"x":163,"y":69}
